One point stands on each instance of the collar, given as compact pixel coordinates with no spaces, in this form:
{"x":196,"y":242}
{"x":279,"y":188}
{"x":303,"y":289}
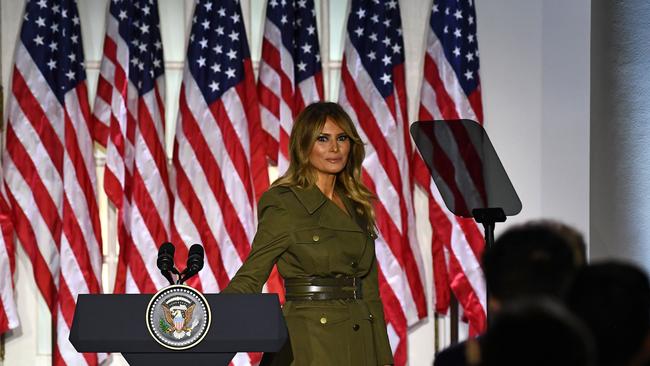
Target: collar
{"x":310,"y":197}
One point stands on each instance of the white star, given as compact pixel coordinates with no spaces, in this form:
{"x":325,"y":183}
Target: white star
{"x":70,"y":75}
{"x":457,"y":33}
{"x":75,"y":20}
{"x":146,"y":10}
{"x":53,"y":46}
{"x":206,"y":24}
{"x":230,"y":73}
{"x":218,"y":49}
{"x":74,"y":39}
{"x":447,"y":11}
{"x":235,"y":18}
{"x":156,"y":63}
{"x":38,"y":40}
{"x":214,"y":86}
{"x":302,"y":66}
{"x":144,"y":28}
{"x":157,"y":45}
{"x":42,"y":4}
{"x":385,"y":78}
{"x":143,"y":47}
{"x":392,"y":4}
{"x":387,"y":22}
{"x":201,"y":61}
{"x":72,"y":57}
{"x":51,"y":64}
{"x":56,"y":9}
{"x":219,"y":31}
{"x":40,"y":22}
{"x":373,"y":37}
{"x":359,"y":31}
{"x":232,"y":54}
{"x":273,"y":3}
{"x":456,"y":52}
{"x":222,"y":12}
{"x":458,"y":14}
{"x":396,"y":48}
{"x":372,"y":55}
{"x":470,"y":20}
{"x":446,"y":29}
{"x":135,"y":61}
{"x":54,"y":27}
{"x":208,"y":6}
{"x":311,"y":29}
{"x":306,"y":48}
{"x":216,"y":67}
{"x":469,"y":56}
{"x":122,"y":15}
{"x":435,"y":8}
{"x":204,"y":43}
{"x":386,"y":60}
{"x":302,"y":3}
{"x":470,"y":38}
{"x":469,"y":75}
{"x":141,"y":66}
{"x":361,"y":13}
{"x":234,"y":36}
{"x":386,"y":41}
{"x":375,"y":18}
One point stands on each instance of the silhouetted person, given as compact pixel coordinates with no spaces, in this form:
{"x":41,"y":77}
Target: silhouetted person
{"x":529,"y":260}
{"x":613,"y":300}
{"x":536,"y":332}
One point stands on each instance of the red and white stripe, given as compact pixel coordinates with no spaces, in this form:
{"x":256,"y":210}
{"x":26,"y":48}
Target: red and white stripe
{"x":8,"y":311}
{"x":50,"y":179}
{"x":457,"y":243}
{"x":281,"y":99}
{"x":386,"y":172}
{"x":136,"y":178}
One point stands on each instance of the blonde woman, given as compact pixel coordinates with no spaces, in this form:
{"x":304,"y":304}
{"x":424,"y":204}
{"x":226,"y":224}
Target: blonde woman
{"x":317,"y":223}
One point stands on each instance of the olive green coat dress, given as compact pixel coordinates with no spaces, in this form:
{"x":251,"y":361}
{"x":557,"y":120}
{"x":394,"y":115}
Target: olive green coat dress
{"x":307,"y":235}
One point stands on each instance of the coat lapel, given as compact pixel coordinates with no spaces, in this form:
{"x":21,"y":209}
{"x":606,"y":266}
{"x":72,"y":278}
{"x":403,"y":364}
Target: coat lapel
{"x":331,"y":215}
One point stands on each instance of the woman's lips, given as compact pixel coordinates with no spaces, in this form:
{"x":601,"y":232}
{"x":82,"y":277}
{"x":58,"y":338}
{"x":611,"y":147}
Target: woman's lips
{"x":335,"y":160}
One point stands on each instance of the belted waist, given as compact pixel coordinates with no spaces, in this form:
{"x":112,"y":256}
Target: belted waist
{"x":323,"y":288}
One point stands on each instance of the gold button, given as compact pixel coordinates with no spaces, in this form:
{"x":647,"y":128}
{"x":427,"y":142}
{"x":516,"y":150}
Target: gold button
{"x":316,"y":238}
{"x":323,"y":320}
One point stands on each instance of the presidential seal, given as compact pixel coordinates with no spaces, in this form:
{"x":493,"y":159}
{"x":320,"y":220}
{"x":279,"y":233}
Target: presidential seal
{"x":178,"y":317}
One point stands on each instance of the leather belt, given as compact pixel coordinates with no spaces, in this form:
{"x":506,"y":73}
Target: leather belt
{"x":323,"y":288}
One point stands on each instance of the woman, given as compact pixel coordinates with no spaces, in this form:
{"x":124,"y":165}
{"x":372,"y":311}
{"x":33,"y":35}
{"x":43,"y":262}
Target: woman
{"x":317,"y":223}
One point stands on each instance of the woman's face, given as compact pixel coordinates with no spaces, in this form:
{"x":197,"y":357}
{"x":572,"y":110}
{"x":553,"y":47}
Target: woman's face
{"x":331,"y":149}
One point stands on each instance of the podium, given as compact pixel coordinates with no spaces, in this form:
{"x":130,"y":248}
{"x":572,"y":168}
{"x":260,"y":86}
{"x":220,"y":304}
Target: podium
{"x":117,"y":323}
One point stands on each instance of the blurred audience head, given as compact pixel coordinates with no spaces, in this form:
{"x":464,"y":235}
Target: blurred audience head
{"x":532,"y":259}
{"x":613,"y":300}
{"x":536,"y":332}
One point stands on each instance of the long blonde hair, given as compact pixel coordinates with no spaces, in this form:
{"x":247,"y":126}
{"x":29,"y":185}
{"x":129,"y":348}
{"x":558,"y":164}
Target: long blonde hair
{"x":306,"y":129}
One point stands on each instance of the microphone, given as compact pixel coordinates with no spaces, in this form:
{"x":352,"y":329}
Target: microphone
{"x":165,"y":261}
{"x":194,"y":262}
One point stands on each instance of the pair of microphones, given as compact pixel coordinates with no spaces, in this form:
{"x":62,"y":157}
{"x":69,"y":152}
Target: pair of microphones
{"x":165,"y":262}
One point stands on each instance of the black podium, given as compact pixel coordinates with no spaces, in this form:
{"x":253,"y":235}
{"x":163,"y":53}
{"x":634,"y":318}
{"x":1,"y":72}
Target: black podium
{"x":240,"y":323}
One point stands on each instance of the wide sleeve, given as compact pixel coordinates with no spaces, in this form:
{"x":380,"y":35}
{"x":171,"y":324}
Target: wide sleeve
{"x":270,"y":241}
{"x":370,"y":288}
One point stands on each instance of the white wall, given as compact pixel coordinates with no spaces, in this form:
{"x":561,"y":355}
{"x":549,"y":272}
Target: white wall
{"x":535,"y":79}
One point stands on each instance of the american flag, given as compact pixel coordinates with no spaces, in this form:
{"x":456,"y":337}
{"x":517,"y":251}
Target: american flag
{"x":49,"y":167}
{"x":451,"y":90}
{"x":290,"y":75}
{"x":373,"y":92}
{"x":219,"y":157}
{"x":8,"y":311}
{"x":130,"y":105}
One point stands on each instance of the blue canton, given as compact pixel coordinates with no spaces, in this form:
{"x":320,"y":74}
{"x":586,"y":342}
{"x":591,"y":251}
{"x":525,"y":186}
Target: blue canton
{"x":297,"y":24}
{"x":375,"y":29}
{"x":139,"y":27}
{"x":454,"y":23}
{"x":217,"y":47}
{"x":52,"y":36}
